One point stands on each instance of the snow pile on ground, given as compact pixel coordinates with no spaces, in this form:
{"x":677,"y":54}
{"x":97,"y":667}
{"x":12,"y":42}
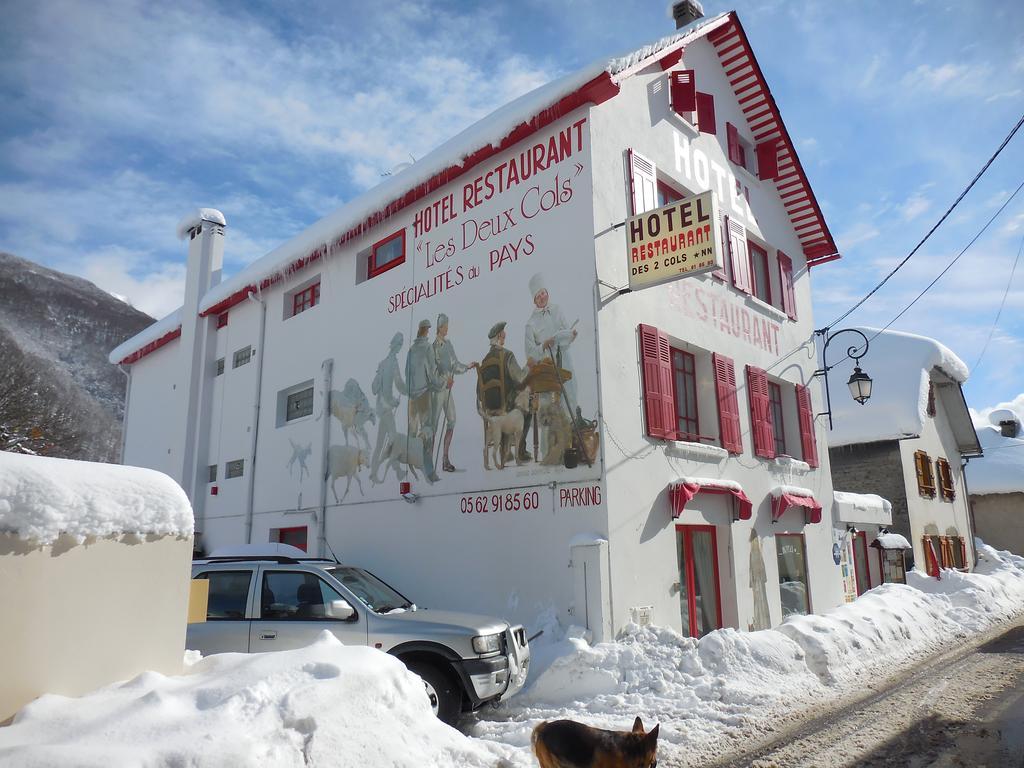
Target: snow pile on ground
{"x":326,"y":704}
{"x":730,"y":686}
{"x":42,"y":497}
{"x":331,"y":705}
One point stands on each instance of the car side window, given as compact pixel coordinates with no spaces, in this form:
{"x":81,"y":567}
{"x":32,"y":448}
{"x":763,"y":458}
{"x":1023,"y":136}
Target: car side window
{"x":295,"y":595}
{"x":229,"y":593}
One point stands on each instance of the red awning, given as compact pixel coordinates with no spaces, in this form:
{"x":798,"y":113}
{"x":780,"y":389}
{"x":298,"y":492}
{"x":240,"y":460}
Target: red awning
{"x":784,"y":501}
{"x":680,"y":493}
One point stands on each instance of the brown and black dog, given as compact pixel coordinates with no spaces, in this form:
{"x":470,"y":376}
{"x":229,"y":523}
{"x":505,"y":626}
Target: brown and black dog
{"x":568,"y":744}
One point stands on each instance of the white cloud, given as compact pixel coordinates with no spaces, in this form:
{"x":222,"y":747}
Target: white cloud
{"x":156,"y":290}
{"x":915,"y":205}
{"x":858,"y":233}
{"x":980,"y":417}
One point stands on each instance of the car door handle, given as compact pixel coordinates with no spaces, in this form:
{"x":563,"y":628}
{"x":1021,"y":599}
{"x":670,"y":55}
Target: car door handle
{"x":268,"y":635}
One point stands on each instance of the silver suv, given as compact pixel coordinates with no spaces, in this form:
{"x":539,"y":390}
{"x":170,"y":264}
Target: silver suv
{"x":274,"y":603}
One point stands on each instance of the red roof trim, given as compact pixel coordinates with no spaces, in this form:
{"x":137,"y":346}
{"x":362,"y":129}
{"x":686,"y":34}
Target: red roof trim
{"x":153,"y":346}
{"x":723,"y":42}
{"x":596,"y":91}
{"x":671,"y":59}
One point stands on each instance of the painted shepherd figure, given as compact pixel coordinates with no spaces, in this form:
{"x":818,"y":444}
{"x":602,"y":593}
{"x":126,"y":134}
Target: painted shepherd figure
{"x":352,"y":409}
{"x":423,"y":381}
{"x":499,"y":380}
{"x":448,"y":367}
{"x":387,"y":386}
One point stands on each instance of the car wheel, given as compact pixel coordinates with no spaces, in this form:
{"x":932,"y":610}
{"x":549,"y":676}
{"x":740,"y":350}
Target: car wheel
{"x":445,"y":697}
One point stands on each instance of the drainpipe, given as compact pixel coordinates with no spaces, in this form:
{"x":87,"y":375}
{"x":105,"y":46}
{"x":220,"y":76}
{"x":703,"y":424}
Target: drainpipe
{"x":127,"y":400}
{"x":250,"y":501}
{"x":327,"y":370}
{"x":971,"y":528}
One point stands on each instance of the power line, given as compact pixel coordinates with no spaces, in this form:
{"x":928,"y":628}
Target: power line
{"x":917,"y":247}
{"x":1002,"y":304}
{"x":951,"y":263}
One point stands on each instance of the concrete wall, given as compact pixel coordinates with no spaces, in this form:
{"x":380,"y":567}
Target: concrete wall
{"x":81,"y":616}
{"x":999,"y":518}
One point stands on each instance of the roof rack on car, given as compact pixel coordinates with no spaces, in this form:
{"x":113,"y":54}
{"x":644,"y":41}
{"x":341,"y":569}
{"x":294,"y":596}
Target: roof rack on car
{"x":265,"y":558}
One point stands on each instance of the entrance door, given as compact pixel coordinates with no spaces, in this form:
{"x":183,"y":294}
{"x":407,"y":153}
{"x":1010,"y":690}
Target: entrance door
{"x":860,"y":562}
{"x":700,"y":602}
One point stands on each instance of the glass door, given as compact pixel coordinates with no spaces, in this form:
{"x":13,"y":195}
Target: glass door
{"x":793,"y":584}
{"x":860,"y":562}
{"x":700,"y":603}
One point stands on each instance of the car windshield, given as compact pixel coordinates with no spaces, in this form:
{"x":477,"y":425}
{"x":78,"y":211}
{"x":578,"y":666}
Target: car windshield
{"x":378,"y":596}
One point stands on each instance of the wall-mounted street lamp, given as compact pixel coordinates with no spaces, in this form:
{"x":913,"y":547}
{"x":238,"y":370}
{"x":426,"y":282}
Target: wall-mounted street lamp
{"x":859,"y":383}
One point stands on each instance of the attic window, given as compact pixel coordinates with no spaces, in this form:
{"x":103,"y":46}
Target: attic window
{"x":387,"y":254}
{"x":222,"y":320}
{"x":931,"y":399}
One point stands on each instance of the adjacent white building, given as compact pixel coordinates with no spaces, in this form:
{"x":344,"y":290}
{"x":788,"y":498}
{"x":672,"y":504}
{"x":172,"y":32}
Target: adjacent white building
{"x":449,"y":381}
{"x":996,"y":482}
{"x":909,"y":444}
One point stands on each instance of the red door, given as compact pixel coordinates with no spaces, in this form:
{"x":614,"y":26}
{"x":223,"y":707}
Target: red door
{"x":700,"y":600}
{"x":860,"y":562}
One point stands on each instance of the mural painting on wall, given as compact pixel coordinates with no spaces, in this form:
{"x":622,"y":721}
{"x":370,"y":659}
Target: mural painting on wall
{"x":480,"y":385}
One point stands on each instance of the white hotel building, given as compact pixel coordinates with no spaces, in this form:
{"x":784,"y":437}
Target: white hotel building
{"x":671,"y":468}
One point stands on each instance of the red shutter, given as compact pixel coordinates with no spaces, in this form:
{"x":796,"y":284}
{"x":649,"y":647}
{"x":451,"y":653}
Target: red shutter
{"x":931,"y":557}
{"x":733,"y":138}
{"x":786,"y":281}
{"x":768,"y":160}
{"x":706,"y":113}
{"x":643,"y":176}
{"x":728,"y":408}
{"x":659,"y":402}
{"x":808,"y":441}
{"x":760,"y":412}
{"x":684,"y":91}
{"x":739,"y":258}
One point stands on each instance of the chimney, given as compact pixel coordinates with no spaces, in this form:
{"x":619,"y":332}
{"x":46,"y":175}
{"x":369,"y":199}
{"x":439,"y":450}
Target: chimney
{"x":1009,"y":427}
{"x":686,"y":12}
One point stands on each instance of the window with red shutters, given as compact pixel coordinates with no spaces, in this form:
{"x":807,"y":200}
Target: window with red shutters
{"x":786,"y":285}
{"x":684,"y":92}
{"x":768,"y":159}
{"x":667,"y":194}
{"x":760,"y":279}
{"x":925,"y":476}
{"x":760,"y":412}
{"x":659,"y":405}
{"x":222,"y":320}
{"x":808,"y":440}
{"x":732,"y":137}
{"x":643,"y":176}
{"x":728,"y":407}
{"x":945,"y":476}
{"x":739,"y":259}
{"x":931,"y":557}
{"x":706,"y":113}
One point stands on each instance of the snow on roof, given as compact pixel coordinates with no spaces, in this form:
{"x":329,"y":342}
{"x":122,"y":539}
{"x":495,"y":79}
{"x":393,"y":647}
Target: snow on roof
{"x":42,"y":497}
{"x":193,"y":219}
{"x":862,"y":508}
{"x":1001,"y":469}
{"x":144,"y":338}
{"x":891,"y":541}
{"x":900,"y":365}
{"x":322,"y":237}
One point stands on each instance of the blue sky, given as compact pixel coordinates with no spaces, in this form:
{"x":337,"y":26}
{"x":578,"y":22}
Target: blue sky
{"x":119,"y":117}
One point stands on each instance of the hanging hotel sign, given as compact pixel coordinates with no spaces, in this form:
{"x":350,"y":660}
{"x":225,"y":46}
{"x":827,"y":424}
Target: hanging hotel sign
{"x":676,"y":240}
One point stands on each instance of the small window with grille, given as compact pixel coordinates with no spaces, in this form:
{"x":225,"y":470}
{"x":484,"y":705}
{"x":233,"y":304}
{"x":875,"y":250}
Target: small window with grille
{"x":219,"y":367}
{"x":234,"y":468}
{"x":241,"y":357}
{"x":299,"y":404}
{"x":211,"y":474}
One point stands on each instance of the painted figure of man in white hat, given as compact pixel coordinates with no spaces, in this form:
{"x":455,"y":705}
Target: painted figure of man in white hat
{"x":448,"y":367}
{"x":423,"y":381}
{"x":548,"y":332}
{"x":387,"y":379}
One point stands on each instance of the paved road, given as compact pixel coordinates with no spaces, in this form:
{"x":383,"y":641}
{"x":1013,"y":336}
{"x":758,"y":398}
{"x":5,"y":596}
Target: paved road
{"x":964,"y":709}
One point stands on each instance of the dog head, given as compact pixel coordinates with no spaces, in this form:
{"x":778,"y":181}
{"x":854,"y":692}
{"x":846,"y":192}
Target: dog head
{"x":642,"y":749}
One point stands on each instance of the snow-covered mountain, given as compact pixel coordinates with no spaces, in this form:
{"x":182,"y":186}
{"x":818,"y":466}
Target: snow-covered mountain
{"x":58,"y":394}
